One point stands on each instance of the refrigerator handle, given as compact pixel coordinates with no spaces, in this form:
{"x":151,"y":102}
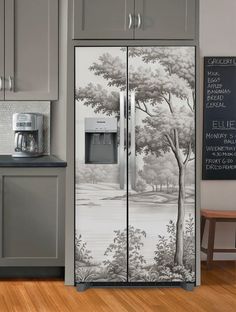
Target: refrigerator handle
{"x":122,"y":140}
{"x":132,"y":142}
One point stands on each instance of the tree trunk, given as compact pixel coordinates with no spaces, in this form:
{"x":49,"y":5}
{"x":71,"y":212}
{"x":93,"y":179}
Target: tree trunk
{"x":179,"y":251}
{"x":156,"y":187}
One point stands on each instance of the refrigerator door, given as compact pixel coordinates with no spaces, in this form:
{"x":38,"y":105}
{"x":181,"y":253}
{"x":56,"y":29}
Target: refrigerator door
{"x":161,"y":207}
{"x":101,"y":188}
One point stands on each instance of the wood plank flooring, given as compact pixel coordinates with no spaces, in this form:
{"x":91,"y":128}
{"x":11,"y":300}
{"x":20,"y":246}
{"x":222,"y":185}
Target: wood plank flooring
{"x":217,"y":294}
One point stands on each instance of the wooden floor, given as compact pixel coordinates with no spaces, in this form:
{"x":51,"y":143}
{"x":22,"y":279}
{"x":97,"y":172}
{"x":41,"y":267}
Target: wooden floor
{"x":217,"y":293}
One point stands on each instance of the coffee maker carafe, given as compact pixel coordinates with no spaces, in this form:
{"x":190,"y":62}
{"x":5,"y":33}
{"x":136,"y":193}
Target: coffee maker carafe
{"x":28,"y":134}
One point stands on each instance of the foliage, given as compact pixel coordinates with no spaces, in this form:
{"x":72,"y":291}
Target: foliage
{"x":116,"y":255}
{"x":112,"y":69}
{"x":96,"y":173}
{"x":165,"y":247}
{"x":82,"y":254}
{"x":176,"y":273}
{"x":159,"y":171}
{"x":99,"y":99}
{"x":114,"y":267}
{"x":84,"y":274}
{"x":164,"y":255}
{"x":136,"y":260}
{"x":140,"y":185}
{"x":189,"y":243}
{"x":170,"y":59}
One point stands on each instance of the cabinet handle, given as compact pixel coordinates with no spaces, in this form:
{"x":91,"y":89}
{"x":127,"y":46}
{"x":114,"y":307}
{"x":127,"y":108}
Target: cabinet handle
{"x":122,"y":140}
{"x":132,"y":140}
{"x":130,"y":20}
{"x":1,"y":84}
{"x":11,"y":82}
{"x":139,"y":21}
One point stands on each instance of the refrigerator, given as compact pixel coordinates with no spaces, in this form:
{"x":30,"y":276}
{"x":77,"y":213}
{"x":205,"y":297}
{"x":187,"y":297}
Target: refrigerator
{"x":135,"y":166}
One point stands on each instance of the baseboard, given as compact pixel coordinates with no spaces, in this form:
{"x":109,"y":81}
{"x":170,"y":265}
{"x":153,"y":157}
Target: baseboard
{"x":32,"y":272}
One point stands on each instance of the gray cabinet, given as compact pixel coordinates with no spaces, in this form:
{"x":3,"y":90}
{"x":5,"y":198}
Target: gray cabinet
{"x":1,"y":49}
{"x":31,"y":49}
{"x":103,"y":19}
{"x":165,"y":19}
{"x":32,"y":217}
{"x":134,"y":19}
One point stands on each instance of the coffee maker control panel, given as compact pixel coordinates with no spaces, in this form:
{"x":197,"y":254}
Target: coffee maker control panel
{"x":26,"y":121}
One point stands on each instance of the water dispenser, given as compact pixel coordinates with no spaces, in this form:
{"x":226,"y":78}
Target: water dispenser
{"x":100,"y":140}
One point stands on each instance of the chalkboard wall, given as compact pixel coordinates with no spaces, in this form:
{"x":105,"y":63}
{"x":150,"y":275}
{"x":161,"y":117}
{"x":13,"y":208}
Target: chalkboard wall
{"x":219,"y":135}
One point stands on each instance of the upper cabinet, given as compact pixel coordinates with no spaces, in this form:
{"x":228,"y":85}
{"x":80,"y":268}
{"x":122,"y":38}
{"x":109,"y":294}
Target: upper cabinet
{"x":103,"y":19}
{"x":134,"y":19}
{"x":30,"y":48}
{"x":1,"y":49}
{"x":165,"y":19}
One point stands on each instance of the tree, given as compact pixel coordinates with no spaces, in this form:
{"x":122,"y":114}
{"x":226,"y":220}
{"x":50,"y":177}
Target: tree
{"x":96,"y":173}
{"x":140,"y":186}
{"x":164,"y":90}
{"x":173,"y":123}
{"x":159,"y":171}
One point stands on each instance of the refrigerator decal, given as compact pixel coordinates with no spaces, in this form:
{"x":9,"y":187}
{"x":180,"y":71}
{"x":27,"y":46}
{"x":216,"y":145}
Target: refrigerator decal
{"x":143,"y":230}
{"x":162,"y":198}
{"x":100,"y":200}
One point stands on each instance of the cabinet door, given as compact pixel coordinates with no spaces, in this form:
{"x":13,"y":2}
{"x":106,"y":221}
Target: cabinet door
{"x":103,"y":19}
{"x":165,"y":19}
{"x":32,"y":218}
{"x":31,"y":49}
{"x":1,"y":49}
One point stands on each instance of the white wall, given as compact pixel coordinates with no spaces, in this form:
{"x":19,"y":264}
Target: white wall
{"x":218,"y":38}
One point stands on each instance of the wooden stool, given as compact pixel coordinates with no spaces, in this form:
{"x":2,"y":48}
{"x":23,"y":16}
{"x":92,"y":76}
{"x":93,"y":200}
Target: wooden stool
{"x":214,"y":216}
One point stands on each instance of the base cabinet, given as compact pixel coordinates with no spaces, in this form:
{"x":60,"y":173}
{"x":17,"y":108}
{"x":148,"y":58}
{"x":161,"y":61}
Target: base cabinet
{"x":32,"y":217}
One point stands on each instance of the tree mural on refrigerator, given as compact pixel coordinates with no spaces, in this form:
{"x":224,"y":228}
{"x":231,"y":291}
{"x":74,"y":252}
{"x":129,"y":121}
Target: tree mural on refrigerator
{"x":168,"y":127}
{"x":163,"y":79}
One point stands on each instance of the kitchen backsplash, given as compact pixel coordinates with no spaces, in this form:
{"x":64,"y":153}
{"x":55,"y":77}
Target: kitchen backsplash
{"x":7,"y":109}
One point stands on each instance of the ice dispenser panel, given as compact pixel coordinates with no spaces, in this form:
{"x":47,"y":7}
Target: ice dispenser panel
{"x":100,"y":140}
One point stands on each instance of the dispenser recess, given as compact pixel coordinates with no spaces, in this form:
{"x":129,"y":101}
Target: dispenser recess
{"x":100,"y":140}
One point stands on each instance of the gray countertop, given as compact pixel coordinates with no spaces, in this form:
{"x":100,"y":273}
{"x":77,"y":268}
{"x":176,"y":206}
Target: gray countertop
{"x":42,"y":161}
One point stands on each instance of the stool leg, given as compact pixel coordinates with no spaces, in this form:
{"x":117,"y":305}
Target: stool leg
{"x":211,"y":241}
{"x":203,"y":222}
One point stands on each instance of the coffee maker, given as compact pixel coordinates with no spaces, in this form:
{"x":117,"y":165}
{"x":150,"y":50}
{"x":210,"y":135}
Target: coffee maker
{"x":28,"y":134}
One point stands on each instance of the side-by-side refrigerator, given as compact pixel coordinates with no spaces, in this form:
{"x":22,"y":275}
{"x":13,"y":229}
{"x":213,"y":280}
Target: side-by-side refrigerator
{"x":135,"y":166}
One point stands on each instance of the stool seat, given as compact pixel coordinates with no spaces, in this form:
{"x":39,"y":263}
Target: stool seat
{"x":214,"y":216}
{"x":218,"y":213}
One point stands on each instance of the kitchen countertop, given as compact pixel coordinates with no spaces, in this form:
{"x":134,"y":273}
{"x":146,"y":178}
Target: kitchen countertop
{"x":42,"y":161}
